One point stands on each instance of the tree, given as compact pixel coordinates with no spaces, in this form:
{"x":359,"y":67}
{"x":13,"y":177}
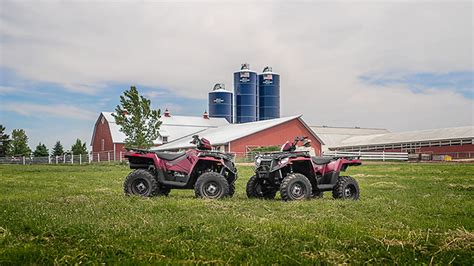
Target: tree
{"x":20,"y":143}
{"x":79,"y":148}
{"x":5,"y":142}
{"x":58,"y":149}
{"x":41,"y":151}
{"x":137,"y":120}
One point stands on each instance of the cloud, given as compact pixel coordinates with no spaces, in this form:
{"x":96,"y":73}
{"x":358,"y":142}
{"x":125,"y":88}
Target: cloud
{"x":38,"y":110}
{"x":319,"y":48}
{"x":7,"y":90}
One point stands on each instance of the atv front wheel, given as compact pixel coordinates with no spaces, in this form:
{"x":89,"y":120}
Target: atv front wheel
{"x":295,"y":187}
{"x":140,"y":182}
{"x":346,"y":188}
{"x":255,"y":190}
{"x":211,"y":185}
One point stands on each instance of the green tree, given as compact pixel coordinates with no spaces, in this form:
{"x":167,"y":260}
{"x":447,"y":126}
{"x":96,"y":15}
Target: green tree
{"x":20,"y":143}
{"x":79,"y":147}
{"x":5,"y":142}
{"x":137,"y":120}
{"x":58,"y":149}
{"x":41,"y":151}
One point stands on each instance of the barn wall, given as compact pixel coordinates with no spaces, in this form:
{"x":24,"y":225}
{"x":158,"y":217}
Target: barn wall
{"x":456,"y":151}
{"x":102,"y":131}
{"x":275,"y":136}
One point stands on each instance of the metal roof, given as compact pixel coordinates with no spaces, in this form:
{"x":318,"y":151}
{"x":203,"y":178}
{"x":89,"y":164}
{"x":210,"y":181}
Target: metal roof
{"x":348,"y":130}
{"x":225,"y":134}
{"x":409,"y":137}
{"x":335,"y":135}
{"x":173,"y":127}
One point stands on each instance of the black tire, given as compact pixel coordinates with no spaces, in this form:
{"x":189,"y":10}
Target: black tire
{"x":140,"y":182}
{"x":211,"y":185}
{"x":295,"y":187}
{"x":162,"y":191}
{"x":255,"y":190}
{"x":231,"y":190}
{"x":346,"y":188}
{"x":317,"y":194}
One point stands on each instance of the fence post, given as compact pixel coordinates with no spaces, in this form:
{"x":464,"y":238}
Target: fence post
{"x":120,"y":154}
{"x":383,"y":155}
{"x":49,"y":159}
{"x":72,"y":158}
{"x":98,"y":157}
{"x":56,"y":159}
{"x":24,"y":161}
{"x":108,"y":156}
{"x":64,"y":158}
{"x":80,"y":158}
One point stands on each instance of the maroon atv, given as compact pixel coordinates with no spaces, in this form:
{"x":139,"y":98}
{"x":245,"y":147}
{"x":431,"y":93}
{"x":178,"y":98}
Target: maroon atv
{"x":210,"y":173}
{"x":300,"y":176}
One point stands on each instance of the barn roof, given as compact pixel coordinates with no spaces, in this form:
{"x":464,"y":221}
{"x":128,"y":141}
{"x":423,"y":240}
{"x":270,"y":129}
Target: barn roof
{"x":173,"y":127}
{"x":225,"y":134}
{"x":333,"y":136}
{"x":410,"y":136}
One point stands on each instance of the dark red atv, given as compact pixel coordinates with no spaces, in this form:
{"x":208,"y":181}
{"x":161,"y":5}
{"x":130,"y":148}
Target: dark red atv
{"x":298,"y":175}
{"x":210,"y":173}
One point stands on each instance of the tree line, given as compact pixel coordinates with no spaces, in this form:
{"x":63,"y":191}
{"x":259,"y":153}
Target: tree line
{"x":137,"y":120}
{"x":17,"y":145}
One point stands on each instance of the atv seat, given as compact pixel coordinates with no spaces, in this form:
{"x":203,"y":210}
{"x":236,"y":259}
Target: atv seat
{"x":169,"y":156}
{"x":321,"y":160}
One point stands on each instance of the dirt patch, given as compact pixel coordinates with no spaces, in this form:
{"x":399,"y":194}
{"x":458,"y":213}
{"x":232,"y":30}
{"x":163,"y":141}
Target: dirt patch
{"x":461,"y":187}
{"x":459,"y":239}
{"x":385,"y":184}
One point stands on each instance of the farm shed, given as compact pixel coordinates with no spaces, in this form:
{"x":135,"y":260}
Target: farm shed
{"x":241,"y":138}
{"x":332,"y":136}
{"x":108,"y":141}
{"x":456,"y":142}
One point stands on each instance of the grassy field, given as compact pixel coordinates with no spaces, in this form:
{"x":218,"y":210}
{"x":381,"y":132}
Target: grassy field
{"x":408,"y":213}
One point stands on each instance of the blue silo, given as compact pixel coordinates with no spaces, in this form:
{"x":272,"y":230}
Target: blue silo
{"x":269,"y":94}
{"x":221,"y":102}
{"x":246,"y":95}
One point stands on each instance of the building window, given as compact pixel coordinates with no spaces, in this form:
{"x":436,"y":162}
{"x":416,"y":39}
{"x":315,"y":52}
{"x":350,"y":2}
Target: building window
{"x":165,"y":139}
{"x":102,"y":144}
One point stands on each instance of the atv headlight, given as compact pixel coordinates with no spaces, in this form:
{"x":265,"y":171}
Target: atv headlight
{"x":258,"y":160}
{"x":284,"y":161}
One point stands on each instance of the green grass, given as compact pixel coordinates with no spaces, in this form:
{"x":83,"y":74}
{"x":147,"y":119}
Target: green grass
{"x":407,"y":213}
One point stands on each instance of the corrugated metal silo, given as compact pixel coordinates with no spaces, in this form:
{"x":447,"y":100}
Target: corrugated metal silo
{"x":221,"y":102}
{"x":246,"y":95}
{"x":269,"y":94}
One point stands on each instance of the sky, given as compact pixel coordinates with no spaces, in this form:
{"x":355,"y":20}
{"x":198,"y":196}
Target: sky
{"x":400,"y":65}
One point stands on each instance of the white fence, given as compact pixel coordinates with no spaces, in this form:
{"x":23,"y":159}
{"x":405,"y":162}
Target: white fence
{"x":378,"y":156}
{"x":106,"y":156}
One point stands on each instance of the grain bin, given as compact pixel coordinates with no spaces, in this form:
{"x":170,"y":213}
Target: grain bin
{"x":221,"y":102}
{"x":268,"y":94}
{"x":245,"y":95}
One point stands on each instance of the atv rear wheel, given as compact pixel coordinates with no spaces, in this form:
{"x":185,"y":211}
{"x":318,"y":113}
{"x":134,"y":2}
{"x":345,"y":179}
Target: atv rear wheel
{"x":346,"y":188}
{"x":255,"y":190}
{"x":211,"y":185}
{"x":231,"y":190}
{"x":317,"y":194}
{"x":295,"y":187}
{"x":140,"y":182}
{"x":162,"y":191}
